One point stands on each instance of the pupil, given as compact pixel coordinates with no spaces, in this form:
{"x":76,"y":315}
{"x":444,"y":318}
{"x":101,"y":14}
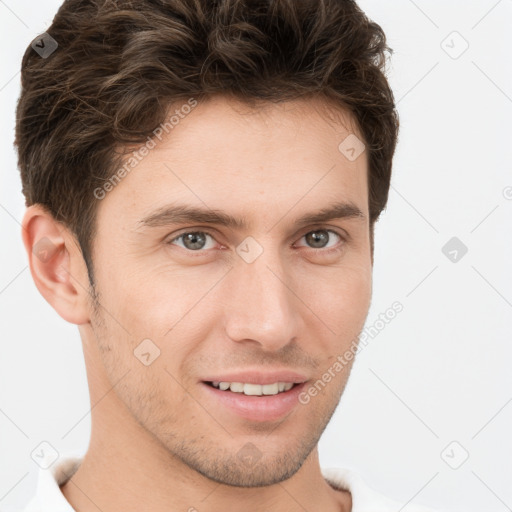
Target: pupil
{"x":317,"y":238}
{"x":193,"y":238}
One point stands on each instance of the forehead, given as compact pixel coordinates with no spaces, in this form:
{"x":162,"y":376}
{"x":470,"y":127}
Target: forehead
{"x":219,"y":117}
{"x":227,"y":155}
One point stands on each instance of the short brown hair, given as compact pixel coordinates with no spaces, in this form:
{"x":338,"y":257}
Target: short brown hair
{"x":120,"y":64}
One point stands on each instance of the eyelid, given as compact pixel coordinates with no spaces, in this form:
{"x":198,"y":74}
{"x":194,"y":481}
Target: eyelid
{"x":322,"y":227}
{"x":206,"y":231}
{"x":194,"y":229}
{"x":329,"y":230}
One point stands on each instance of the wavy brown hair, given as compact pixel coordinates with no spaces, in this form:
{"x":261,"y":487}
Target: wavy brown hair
{"x":120,"y":64}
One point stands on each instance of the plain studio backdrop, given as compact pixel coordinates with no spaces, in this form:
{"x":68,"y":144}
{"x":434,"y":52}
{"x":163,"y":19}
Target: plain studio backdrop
{"x":427,"y":413}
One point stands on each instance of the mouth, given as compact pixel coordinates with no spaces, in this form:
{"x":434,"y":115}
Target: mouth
{"x":250,"y":389}
{"x":254,"y":402}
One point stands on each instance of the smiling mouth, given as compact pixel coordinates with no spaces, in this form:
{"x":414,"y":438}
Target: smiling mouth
{"x":248,"y":389}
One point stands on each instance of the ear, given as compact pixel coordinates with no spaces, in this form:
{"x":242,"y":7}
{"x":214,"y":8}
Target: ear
{"x":56,"y":264}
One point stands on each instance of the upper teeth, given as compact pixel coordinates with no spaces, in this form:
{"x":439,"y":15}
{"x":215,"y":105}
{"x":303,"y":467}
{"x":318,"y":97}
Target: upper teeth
{"x":254,"y":389}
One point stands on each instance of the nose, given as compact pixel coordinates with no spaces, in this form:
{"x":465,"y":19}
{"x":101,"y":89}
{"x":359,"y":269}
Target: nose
{"x":260,"y":305}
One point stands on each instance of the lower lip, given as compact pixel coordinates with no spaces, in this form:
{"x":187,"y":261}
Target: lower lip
{"x":258,"y":408}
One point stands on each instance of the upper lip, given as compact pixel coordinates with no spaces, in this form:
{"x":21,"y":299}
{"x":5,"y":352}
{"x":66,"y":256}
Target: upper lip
{"x":258,"y":377}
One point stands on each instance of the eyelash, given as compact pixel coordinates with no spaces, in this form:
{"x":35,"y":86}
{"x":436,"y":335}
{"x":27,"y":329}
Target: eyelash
{"x":330,"y":250}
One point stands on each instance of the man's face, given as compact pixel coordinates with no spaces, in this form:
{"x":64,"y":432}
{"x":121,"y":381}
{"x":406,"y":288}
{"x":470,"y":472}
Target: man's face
{"x":273,"y":296}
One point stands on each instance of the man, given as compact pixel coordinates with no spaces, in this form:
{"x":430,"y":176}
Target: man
{"x":202,"y":181}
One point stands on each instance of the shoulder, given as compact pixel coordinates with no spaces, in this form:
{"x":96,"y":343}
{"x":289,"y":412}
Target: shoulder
{"x":363,"y":496}
{"x":48,"y":496}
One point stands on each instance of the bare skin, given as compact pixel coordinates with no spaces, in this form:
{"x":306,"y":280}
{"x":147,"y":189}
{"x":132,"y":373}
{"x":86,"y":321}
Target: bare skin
{"x":159,"y":441}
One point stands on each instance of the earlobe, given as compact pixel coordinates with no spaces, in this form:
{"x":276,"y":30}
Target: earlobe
{"x":56,"y":264}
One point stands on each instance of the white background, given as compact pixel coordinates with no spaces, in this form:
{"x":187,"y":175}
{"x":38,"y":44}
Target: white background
{"x":439,"y":372}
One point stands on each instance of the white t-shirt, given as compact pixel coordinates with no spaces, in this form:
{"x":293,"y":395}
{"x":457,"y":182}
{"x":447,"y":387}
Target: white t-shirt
{"x":49,"y":498}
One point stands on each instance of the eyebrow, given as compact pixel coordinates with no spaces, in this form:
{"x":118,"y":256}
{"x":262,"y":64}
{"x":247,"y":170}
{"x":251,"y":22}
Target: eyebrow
{"x":178,"y":214}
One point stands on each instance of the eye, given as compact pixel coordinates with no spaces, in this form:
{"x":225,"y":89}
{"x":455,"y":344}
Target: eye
{"x":320,"y":238}
{"x":193,"y":240}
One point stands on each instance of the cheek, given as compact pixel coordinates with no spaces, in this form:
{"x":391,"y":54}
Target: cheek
{"x":141,"y":296}
{"x":167,"y":295}
{"x":339,"y":296}
{"x":175,"y":309}
{"x":354,"y":293}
